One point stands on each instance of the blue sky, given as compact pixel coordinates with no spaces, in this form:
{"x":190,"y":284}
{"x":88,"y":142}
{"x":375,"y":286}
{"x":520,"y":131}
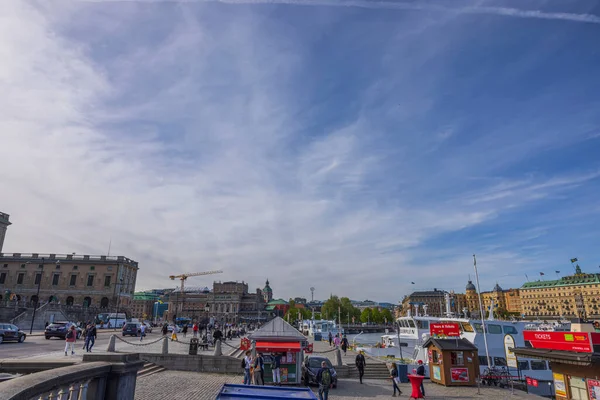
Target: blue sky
{"x":351,"y":146}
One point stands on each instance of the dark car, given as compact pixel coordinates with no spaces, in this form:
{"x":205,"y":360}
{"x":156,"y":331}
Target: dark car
{"x":132,"y":328}
{"x":311,"y":366}
{"x":59,"y":330}
{"x":10,"y":333}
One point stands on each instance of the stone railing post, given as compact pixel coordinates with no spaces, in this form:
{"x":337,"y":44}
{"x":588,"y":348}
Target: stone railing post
{"x":338,"y":357}
{"x":165,"y":346}
{"x":111,"y":344}
{"x":120,"y":382}
{"x":218,"y":351}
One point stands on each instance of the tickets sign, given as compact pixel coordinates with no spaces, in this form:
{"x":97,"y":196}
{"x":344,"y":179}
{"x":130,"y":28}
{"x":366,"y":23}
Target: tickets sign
{"x":579,"y":342}
{"x":444,"y":329}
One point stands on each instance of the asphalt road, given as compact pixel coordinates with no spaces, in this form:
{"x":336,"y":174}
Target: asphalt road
{"x":39,"y":345}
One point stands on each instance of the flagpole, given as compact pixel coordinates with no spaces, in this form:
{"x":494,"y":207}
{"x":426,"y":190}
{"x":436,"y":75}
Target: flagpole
{"x":487,"y":353}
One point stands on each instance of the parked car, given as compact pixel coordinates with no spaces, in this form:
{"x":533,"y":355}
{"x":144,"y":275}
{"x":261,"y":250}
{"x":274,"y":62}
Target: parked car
{"x":11,"y":333}
{"x":132,"y":328}
{"x":311,"y":366}
{"x":148,"y":327}
{"x":59,"y":330}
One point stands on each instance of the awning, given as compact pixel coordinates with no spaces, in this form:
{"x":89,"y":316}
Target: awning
{"x":559,"y":356}
{"x":278,"y":346}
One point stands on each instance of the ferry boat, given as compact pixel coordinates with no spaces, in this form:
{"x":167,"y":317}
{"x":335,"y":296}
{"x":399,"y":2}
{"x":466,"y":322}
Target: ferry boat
{"x":414,"y":332}
{"x":321,"y":327}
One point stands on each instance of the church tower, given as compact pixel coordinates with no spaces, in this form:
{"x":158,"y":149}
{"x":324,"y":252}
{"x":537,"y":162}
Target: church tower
{"x":3,"y":225}
{"x":267,"y":292}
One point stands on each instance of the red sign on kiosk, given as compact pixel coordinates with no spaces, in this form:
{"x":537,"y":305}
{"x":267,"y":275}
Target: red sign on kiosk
{"x":579,"y":342}
{"x":444,"y":329}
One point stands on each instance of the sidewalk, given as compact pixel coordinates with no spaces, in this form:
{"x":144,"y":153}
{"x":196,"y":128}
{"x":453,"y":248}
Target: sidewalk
{"x":99,"y":331}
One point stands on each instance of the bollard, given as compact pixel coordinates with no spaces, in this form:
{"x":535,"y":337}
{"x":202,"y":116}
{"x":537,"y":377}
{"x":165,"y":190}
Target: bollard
{"x":478,"y":385}
{"x":338,"y":357}
{"x":165,"y":346}
{"x":111,"y":344}
{"x":218,"y":351}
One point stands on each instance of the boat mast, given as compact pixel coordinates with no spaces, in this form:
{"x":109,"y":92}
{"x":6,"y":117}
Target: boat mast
{"x":487,"y":353}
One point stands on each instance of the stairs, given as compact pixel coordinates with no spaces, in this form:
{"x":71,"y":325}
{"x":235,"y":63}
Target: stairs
{"x":373,"y":370}
{"x":150,"y":369}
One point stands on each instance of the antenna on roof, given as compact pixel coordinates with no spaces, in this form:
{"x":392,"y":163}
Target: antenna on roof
{"x":109,"y":244}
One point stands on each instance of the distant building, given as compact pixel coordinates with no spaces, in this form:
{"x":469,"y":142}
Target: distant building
{"x":361,"y":305}
{"x":300,"y":300}
{"x":267,"y":292}
{"x":277,"y":308}
{"x":227,"y":302}
{"x":576,"y":296}
{"x":434,"y":301}
{"x":142,"y":306}
{"x":4,"y":223}
{"x":508,"y":300}
{"x":80,"y":281}
{"x":314,"y":305}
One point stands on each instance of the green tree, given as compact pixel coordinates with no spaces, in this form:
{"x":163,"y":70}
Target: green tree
{"x":376,"y":316}
{"x":387,"y":316}
{"x":365,"y":316}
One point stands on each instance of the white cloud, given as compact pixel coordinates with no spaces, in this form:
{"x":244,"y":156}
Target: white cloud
{"x":181,"y":150}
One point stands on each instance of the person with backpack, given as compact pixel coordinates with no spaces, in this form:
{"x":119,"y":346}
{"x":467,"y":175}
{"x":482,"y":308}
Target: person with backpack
{"x":324,"y":381}
{"x":184,"y":330}
{"x":70,"y":339}
{"x":246,"y":364}
{"x":360,"y":362}
{"x":330,"y":339}
{"x":259,"y":370}
{"x":395,"y":379}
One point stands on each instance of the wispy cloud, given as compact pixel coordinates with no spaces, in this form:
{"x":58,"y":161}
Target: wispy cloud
{"x":398,"y":5}
{"x":209,"y":136}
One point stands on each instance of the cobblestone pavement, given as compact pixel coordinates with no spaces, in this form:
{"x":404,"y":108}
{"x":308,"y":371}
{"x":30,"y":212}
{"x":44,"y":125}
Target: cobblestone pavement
{"x":193,"y":385}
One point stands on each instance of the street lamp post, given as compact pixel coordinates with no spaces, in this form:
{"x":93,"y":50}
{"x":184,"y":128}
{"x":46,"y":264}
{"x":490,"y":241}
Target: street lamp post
{"x":207,"y":309}
{"x":120,"y":284}
{"x":37,"y":296}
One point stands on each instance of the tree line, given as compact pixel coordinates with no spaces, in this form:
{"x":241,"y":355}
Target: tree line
{"x":336,"y":308}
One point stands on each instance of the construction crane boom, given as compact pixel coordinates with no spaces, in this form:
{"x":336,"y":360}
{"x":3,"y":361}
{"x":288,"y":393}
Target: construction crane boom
{"x":183,"y":277}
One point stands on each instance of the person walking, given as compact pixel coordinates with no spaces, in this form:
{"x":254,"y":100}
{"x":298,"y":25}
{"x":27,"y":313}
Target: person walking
{"x":275,"y":368}
{"x":247,"y":364}
{"x":345,"y":344}
{"x":217,"y":335}
{"x":324,"y":381}
{"x":185,"y":329}
{"x":330,"y":339}
{"x":395,"y":379}
{"x":165,"y":329}
{"x":360,"y":362}
{"x":70,"y":339}
{"x":259,"y":370}
{"x":90,"y":337}
{"x":421,"y":372}
{"x":195,"y":329}
{"x":336,"y":341}
{"x":142,"y":332}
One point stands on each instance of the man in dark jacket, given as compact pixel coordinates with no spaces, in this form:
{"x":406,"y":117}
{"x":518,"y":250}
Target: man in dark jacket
{"x":345,"y":344}
{"x":360,"y":362}
{"x":90,"y":337}
{"x":421,"y":371}
{"x":217,"y":335}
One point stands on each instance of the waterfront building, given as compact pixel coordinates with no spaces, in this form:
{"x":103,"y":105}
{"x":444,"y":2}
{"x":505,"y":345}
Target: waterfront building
{"x":505,"y":301}
{"x":571,"y":296}
{"x":434,"y":300}
{"x":68,"y":279}
{"x":4,"y":223}
{"x":277,"y":308}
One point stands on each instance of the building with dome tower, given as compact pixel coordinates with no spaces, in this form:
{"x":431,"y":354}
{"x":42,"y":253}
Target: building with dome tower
{"x":267,"y":292}
{"x":508,"y":300}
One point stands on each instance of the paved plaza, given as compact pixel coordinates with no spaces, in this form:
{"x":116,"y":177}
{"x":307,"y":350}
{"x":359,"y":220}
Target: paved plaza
{"x":193,"y":385}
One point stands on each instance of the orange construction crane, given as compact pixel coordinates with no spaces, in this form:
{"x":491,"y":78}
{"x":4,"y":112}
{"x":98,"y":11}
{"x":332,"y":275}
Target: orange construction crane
{"x":183,"y":277}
